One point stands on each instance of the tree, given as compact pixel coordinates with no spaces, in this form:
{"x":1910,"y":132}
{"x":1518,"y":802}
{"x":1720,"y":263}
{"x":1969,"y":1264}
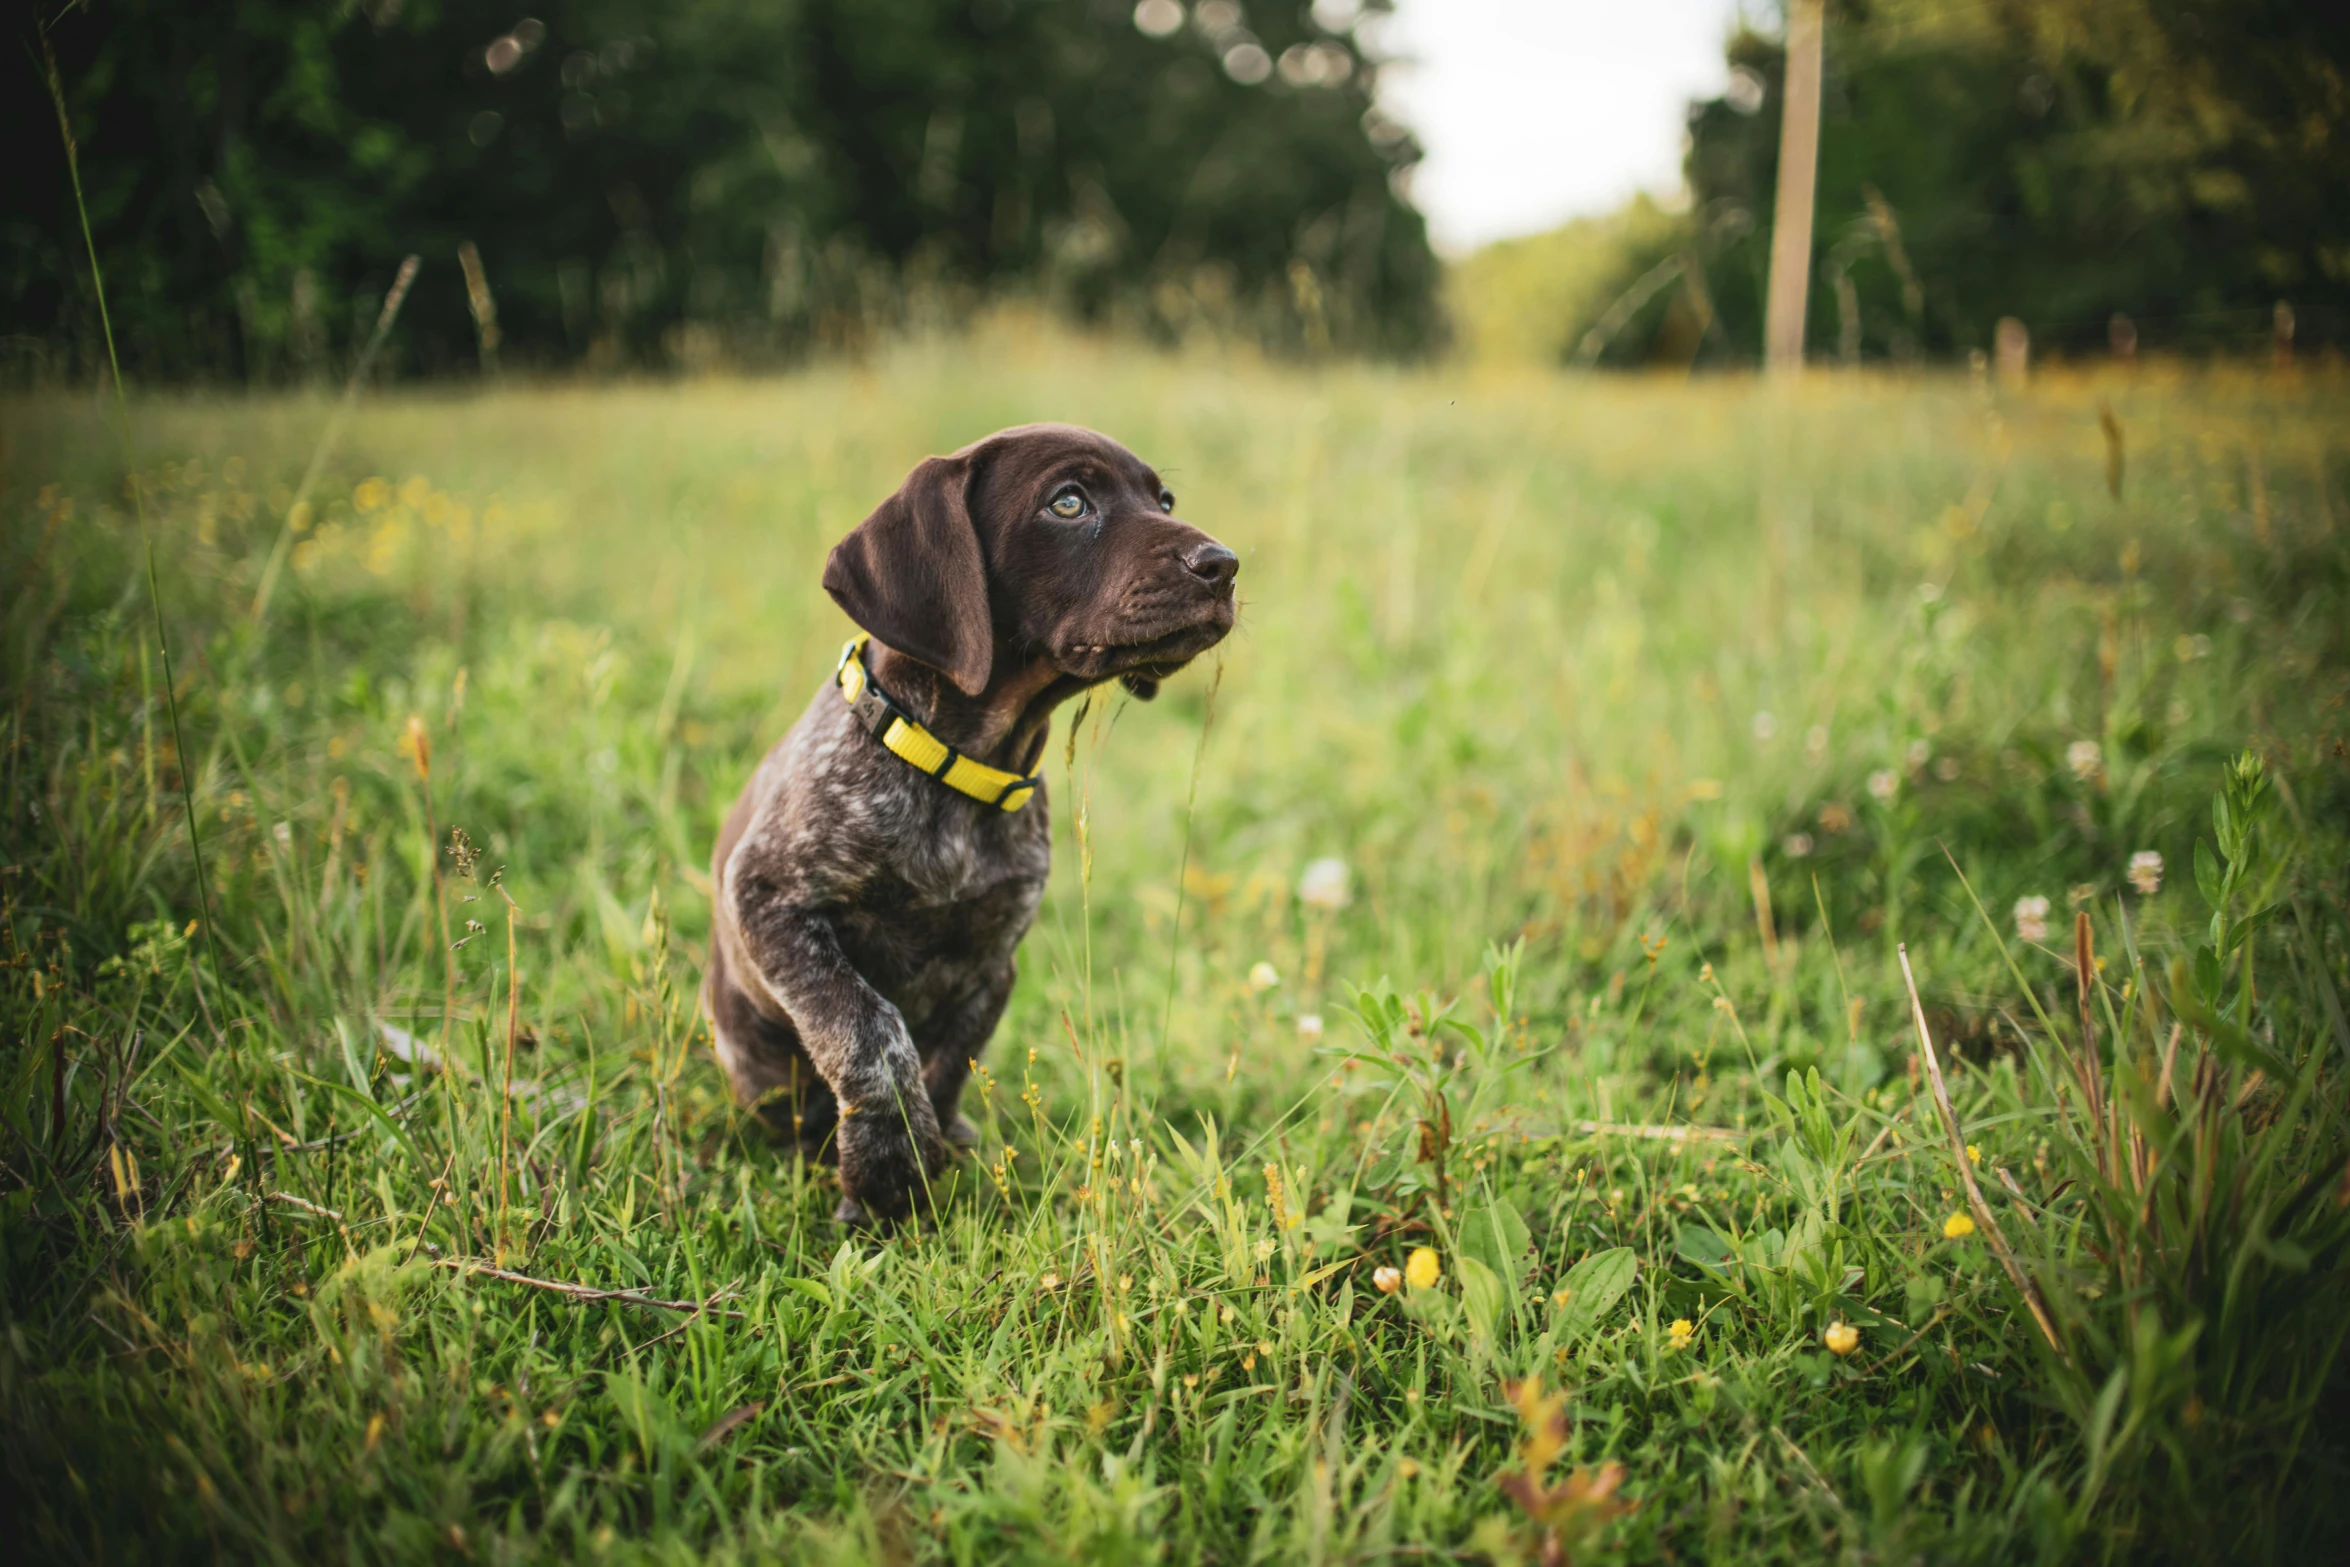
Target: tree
{"x":646,"y":182}
{"x":2061,"y":162}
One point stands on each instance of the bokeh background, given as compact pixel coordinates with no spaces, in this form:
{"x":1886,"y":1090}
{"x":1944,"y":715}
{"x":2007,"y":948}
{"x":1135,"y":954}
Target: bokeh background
{"x":749,"y":183}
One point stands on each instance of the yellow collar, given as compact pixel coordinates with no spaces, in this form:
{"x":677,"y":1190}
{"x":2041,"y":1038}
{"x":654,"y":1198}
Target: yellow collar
{"x":916,"y":746}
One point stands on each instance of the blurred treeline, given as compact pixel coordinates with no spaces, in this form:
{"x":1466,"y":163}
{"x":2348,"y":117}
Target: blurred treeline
{"x":2112,"y":173}
{"x":678,"y":182}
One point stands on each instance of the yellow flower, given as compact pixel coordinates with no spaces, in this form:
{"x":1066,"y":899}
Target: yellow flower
{"x":1682,"y":1330}
{"x":1389,"y":1280}
{"x":1842,"y":1338}
{"x":371,"y":495}
{"x":1408,"y":1468}
{"x":1422,"y":1269}
{"x":1051,"y":1281}
{"x":1957,"y":1227}
{"x":1974,"y":1155}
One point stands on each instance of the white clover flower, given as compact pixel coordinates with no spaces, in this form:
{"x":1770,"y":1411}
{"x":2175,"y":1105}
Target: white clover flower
{"x":1884,"y":784}
{"x":1263,"y":977}
{"x":2085,"y":758}
{"x":1323,"y":886}
{"x":2031,"y":918}
{"x":1309,"y":1026}
{"x":2146,"y":871}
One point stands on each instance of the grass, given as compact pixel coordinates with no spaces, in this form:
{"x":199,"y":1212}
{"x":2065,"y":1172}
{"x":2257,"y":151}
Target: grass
{"x":1647,"y":720}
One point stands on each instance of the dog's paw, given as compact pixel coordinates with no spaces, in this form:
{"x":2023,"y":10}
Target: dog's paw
{"x":885,"y":1168}
{"x":852,"y":1213}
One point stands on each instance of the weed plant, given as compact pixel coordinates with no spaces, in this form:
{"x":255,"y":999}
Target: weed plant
{"x":1462,"y":1096}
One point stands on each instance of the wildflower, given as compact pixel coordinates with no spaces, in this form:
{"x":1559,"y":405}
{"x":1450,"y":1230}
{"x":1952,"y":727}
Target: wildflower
{"x":1051,"y":1281}
{"x":1389,"y":1280}
{"x":1309,"y":1026}
{"x":1561,"y":1298}
{"x":1957,"y":1227}
{"x":2031,"y":919}
{"x":1682,"y":1331}
{"x":1974,"y":1155}
{"x":1842,"y":1338}
{"x":1918,"y":755}
{"x":2146,"y":871}
{"x":1798,"y":845}
{"x":371,"y":495}
{"x":1408,"y":1468}
{"x":2085,"y":758}
{"x":1323,"y":886}
{"x":416,"y":745}
{"x":1835,"y":817}
{"x":1884,"y":784}
{"x":1422,"y":1270}
{"x":1263,"y":977}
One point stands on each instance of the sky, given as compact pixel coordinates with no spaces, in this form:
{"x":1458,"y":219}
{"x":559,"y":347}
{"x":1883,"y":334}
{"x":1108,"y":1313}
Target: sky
{"x":1536,"y":111}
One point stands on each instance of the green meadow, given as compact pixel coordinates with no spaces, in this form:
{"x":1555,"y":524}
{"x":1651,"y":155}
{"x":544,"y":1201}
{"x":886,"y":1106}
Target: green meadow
{"x":1462,"y":1098}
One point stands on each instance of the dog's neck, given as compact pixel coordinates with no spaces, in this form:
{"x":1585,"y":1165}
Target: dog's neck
{"x":1004,"y":726}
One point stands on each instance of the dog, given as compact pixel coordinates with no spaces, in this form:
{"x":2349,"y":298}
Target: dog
{"x":874,"y":879}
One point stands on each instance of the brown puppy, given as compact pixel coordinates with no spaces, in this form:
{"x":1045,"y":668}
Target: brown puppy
{"x":867,"y":909}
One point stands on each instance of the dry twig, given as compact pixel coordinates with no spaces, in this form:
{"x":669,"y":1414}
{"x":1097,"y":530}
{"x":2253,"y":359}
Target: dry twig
{"x":587,"y":1294}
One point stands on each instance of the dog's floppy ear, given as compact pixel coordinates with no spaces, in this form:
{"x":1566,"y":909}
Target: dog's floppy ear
{"x":912,"y":575}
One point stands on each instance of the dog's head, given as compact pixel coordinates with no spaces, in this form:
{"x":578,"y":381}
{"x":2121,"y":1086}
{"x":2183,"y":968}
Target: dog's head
{"x":1043,"y":542}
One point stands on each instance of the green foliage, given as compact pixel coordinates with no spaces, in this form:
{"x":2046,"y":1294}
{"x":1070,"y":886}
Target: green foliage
{"x":1508,"y":652}
{"x":2064,"y":163}
{"x":716,"y":181}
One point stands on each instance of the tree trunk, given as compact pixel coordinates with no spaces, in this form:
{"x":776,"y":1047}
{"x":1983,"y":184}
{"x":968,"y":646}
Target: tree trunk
{"x":1799,"y":167}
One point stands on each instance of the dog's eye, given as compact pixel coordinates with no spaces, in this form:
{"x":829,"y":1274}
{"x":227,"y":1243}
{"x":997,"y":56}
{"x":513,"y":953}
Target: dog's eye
{"x":1166,"y":500}
{"x":1069,"y":504}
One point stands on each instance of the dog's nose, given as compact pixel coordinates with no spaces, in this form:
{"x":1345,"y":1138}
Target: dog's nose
{"x":1214,"y":565}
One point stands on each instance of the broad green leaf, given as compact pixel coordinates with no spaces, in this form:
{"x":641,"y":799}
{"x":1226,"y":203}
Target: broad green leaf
{"x":2207,"y":879}
{"x":1483,"y":1296}
{"x":1497,"y":1237}
{"x":1702,"y":1246}
{"x":1593,"y":1286}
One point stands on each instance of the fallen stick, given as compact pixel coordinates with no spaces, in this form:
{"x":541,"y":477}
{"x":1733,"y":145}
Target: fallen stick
{"x":1653,"y":1132}
{"x":586,"y":1294}
{"x":1966,"y":1170}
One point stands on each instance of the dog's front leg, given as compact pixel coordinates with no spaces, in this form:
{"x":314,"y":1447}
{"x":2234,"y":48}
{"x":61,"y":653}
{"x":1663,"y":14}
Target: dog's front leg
{"x":953,"y":1043}
{"x":888,"y":1139}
